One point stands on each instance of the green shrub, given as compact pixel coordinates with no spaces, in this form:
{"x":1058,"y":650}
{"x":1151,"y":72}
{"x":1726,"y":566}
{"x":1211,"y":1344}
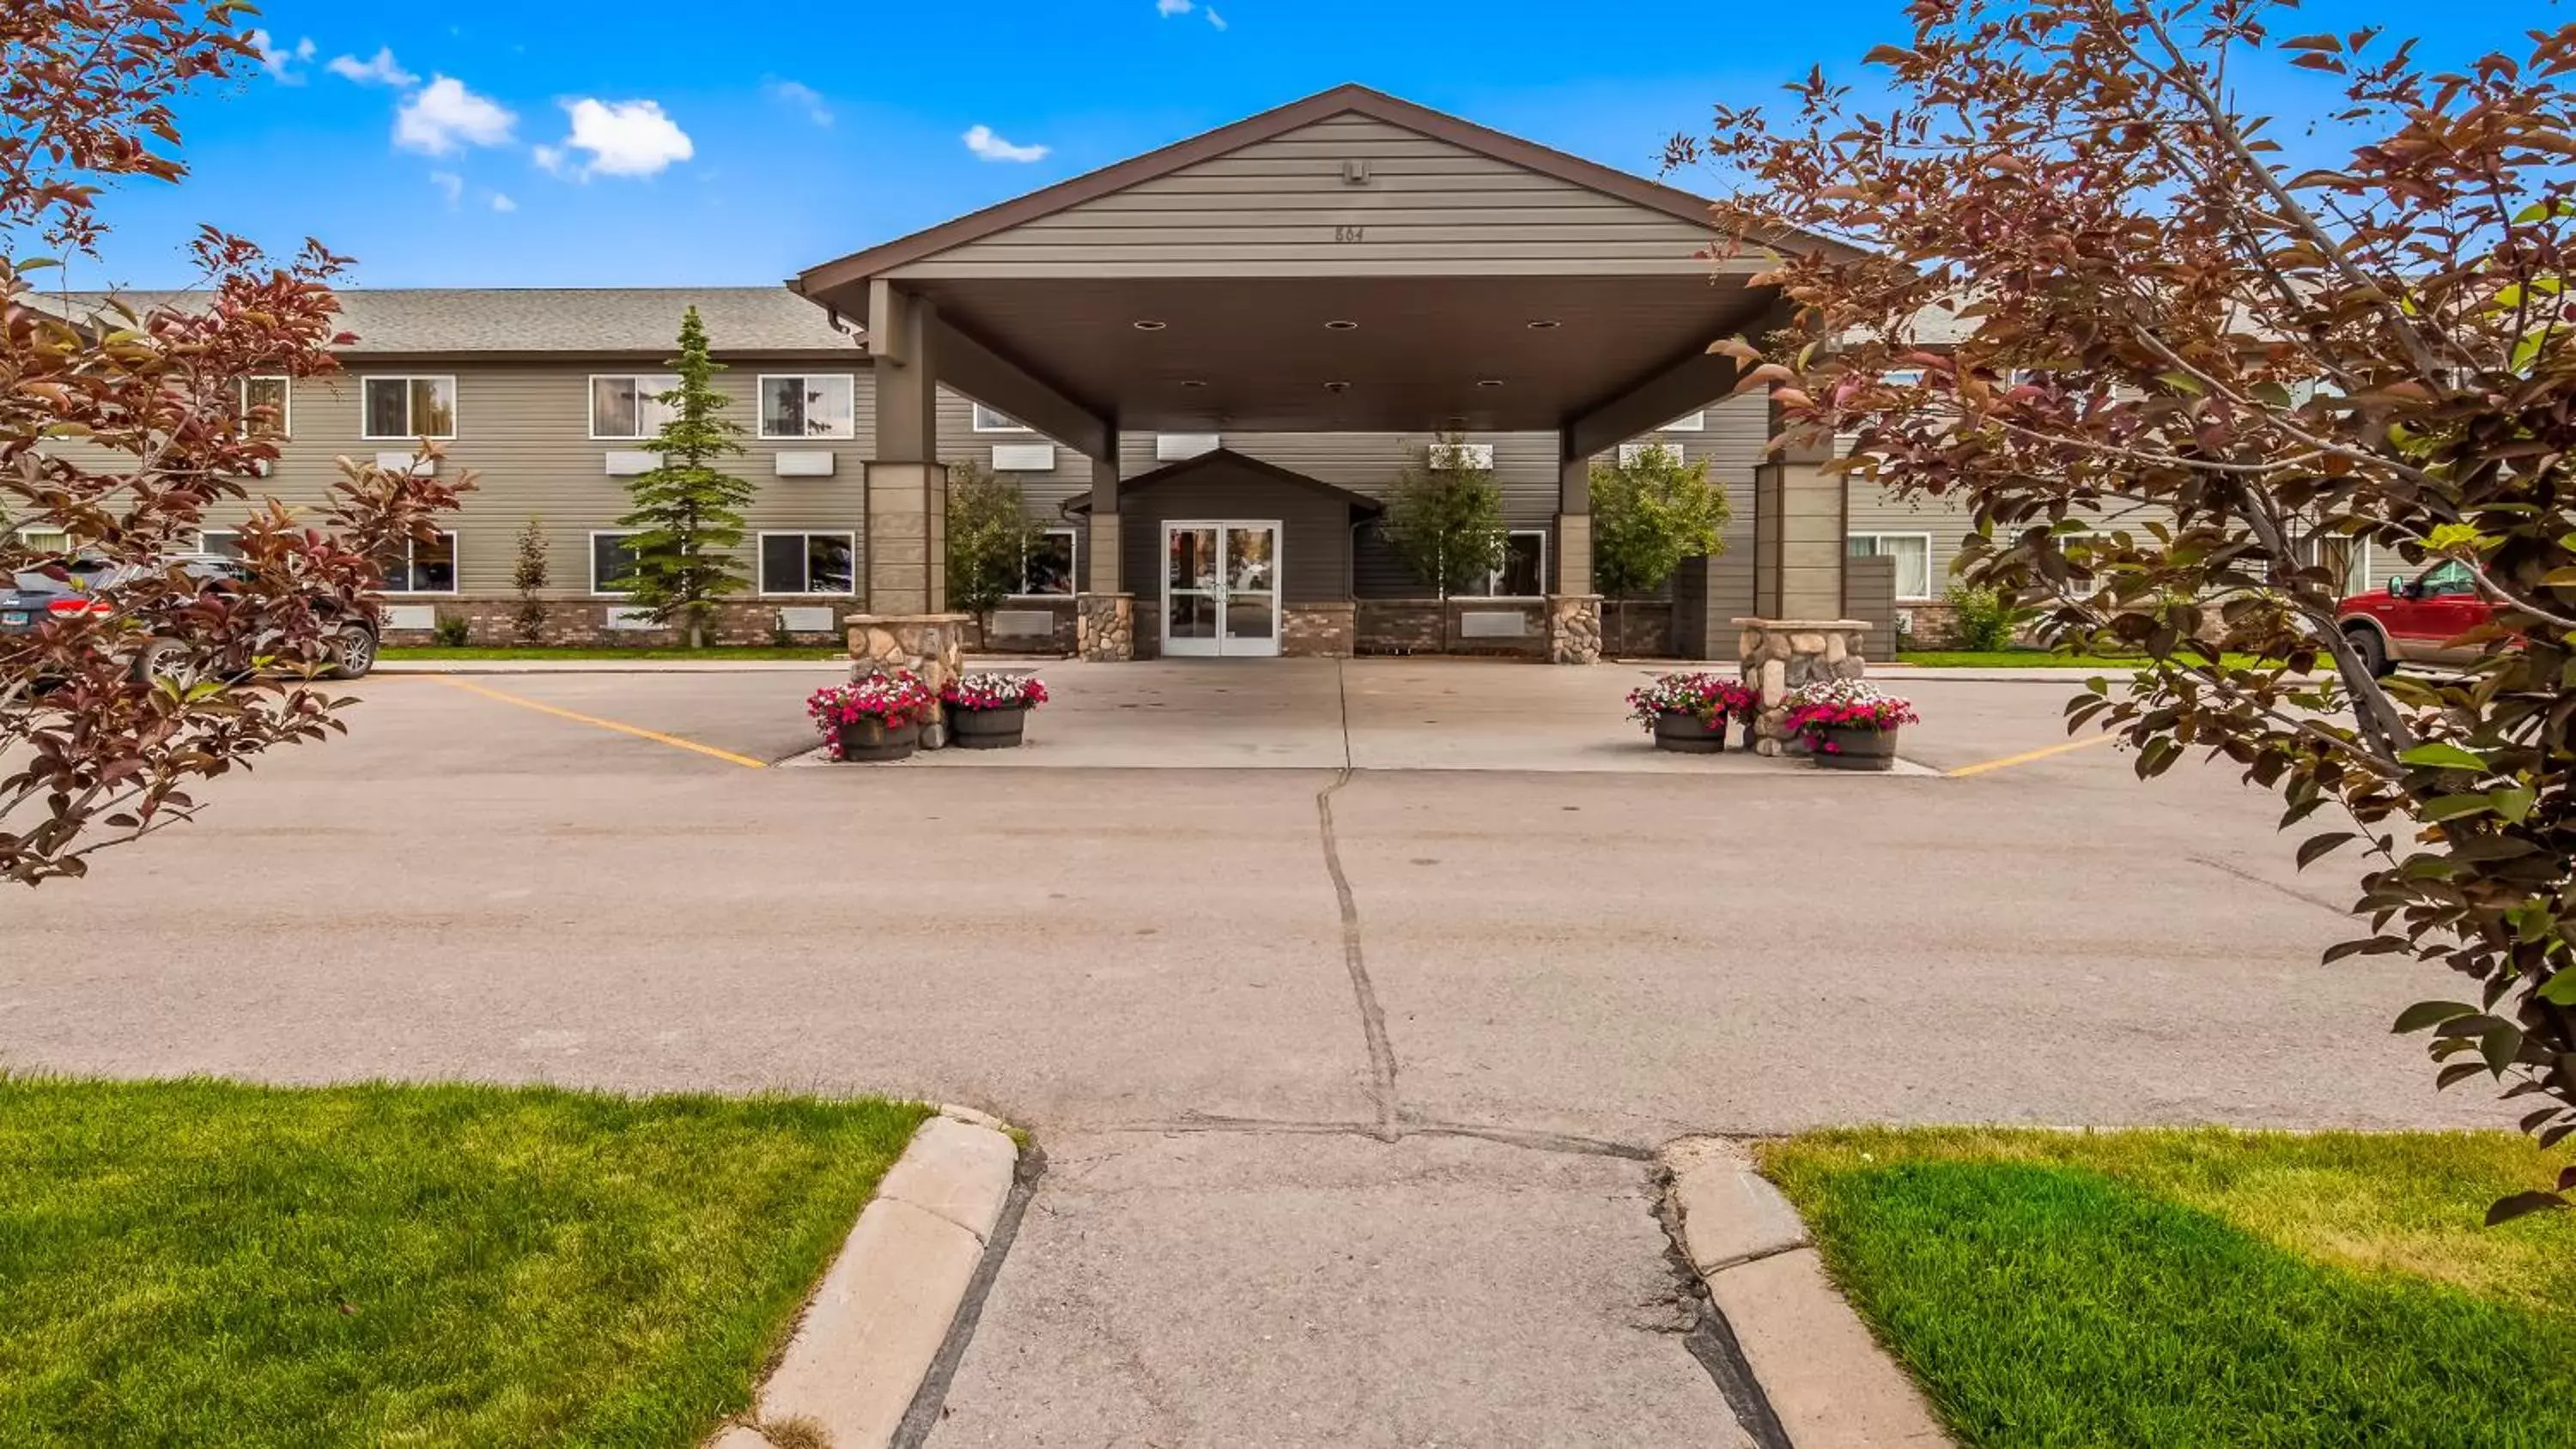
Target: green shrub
{"x":453,"y":632}
{"x":1980,"y":619}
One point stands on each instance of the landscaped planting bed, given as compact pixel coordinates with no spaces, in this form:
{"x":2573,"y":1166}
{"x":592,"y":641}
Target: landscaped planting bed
{"x":2206,"y":1287}
{"x":206,"y":1263}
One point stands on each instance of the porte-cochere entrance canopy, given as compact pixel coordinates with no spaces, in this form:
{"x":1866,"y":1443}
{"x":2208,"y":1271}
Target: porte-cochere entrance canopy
{"x":1348,"y":263}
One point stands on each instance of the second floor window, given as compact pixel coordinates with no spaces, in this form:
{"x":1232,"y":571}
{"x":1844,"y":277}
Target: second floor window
{"x":265,"y":408}
{"x":631,"y":406}
{"x":399,"y":408}
{"x":815,"y":405}
{"x":989,"y":421}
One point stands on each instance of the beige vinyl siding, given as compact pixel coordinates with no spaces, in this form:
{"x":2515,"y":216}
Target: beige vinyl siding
{"x":524,"y":429}
{"x":1278,"y":208}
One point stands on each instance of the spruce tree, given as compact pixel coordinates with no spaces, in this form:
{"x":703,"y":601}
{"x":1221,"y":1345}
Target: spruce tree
{"x":687,"y":513}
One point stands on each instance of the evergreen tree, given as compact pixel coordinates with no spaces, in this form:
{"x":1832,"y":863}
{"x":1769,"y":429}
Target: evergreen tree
{"x":529,"y":576}
{"x":687,"y":513}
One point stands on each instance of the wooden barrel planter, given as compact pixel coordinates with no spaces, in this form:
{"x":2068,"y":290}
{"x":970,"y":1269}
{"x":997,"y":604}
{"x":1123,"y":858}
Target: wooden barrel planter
{"x":1856,"y":749}
{"x":868,"y":740}
{"x":1684,"y":734}
{"x":987,"y":729}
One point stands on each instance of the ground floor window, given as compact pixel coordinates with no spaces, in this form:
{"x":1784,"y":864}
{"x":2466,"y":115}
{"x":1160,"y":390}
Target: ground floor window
{"x":222,"y":542}
{"x":45,"y":538}
{"x":612,"y":563}
{"x":808,"y":563}
{"x":1524,"y":571}
{"x":1913,"y":555}
{"x":422,"y":567}
{"x":1046,"y":569}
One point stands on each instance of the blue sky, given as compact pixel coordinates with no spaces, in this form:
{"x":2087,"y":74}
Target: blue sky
{"x":645,"y":142}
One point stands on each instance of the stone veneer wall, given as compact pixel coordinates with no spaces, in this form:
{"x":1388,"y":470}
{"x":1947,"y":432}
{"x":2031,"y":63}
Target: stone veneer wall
{"x":1778,"y":655}
{"x":1108,"y":629}
{"x":1574,"y":629}
{"x":1319,"y":631}
{"x":1063,"y":634}
{"x":1414,"y":626}
{"x":494,"y":623}
{"x":932,"y":646}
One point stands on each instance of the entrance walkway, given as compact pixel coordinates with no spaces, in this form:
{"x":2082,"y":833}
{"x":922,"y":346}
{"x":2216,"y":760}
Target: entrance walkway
{"x":1361,"y":714}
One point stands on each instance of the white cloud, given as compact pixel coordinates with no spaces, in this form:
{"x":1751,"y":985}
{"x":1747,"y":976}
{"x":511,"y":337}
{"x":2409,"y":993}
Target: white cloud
{"x":623,"y":138}
{"x":280,"y":60}
{"x":380,"y":69}
{"x":445,"y":115}
{"x":801,"y":96}
{"x":984,"y":143}
{"x":450,"y":185}
{"x":1169,"y":8}
{"x":1215,"y":19}
{"x":501,"y":202}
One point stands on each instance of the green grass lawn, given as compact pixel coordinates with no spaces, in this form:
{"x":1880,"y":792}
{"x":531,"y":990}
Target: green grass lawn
{"x":2192,"y":1288}
{"x":198,"y":1262}
{"x":2041,"y":659}
{"x":712,"y":651}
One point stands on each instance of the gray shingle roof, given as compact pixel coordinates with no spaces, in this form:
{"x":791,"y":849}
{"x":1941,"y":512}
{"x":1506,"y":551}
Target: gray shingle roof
{"x":555,"y":319}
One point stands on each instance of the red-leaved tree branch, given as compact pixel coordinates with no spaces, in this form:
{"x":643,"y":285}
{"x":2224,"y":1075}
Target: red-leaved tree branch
{"x":2178,"y":362}
{"x":121,"y":428}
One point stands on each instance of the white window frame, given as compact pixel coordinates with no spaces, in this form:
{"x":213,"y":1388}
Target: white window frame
{"x":760,"y":561}
{"x":455,"y":567}
{"x":760,"y":408}
{"x":1070,"y":532}
{"x":1930,"y":574}
{"x":26,"y":536}
{"x":590,"y":403}
{"x":204,"y":535}
{"x":1494,"y":580}
{"x":591,"y":563}
{"x":455,"y":405}
{"x":986,"y":420}
{"x":1687,"y":423}
{"x":286,"y":406}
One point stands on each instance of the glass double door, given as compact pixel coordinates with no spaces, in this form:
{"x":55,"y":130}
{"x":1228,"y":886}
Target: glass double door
{"x":1221,"y":588}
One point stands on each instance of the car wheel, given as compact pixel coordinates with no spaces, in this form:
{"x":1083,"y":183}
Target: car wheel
{"x":2372,"y":649}
{"x":353,"y":652}
{"x":162,"y":658}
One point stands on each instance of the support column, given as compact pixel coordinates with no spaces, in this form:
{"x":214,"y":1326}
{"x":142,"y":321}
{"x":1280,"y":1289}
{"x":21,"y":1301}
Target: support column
{"x":1105,"y":616}
{"x":907,"y":485}
{"x":1801,"y":519}
{"x":1573,"y":610}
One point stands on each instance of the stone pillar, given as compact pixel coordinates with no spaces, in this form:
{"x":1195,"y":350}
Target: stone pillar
{"x":1574,"y":629}
{"x":932,"y":646}
{"x":1105,"y":628}
{"x":1778,"y":655}
{"x":907,"y":486}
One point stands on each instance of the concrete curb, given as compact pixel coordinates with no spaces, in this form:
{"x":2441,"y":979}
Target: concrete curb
{"x":611,"y":666}
{"x":1823,"y":1375}
{"x":877,"y":1324}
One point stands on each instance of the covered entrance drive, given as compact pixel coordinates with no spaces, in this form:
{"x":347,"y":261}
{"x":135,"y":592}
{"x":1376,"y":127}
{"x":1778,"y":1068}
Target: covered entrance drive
{"x":1221,"y":589}
{"x":1346,"y":265}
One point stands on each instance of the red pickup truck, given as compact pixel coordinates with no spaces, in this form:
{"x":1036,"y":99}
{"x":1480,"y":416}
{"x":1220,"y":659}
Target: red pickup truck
{"x":2416,"y":620}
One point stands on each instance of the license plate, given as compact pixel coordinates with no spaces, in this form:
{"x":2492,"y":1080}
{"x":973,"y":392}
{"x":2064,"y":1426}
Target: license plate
{"x":13,"y":620}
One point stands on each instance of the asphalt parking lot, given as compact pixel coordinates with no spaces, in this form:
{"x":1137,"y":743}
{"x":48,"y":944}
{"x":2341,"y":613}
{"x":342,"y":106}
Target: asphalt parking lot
{"x":1344,"y":1161}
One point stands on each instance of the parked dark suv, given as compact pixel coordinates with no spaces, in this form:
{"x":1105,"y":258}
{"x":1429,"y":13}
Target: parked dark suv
{"x":32,"y":596}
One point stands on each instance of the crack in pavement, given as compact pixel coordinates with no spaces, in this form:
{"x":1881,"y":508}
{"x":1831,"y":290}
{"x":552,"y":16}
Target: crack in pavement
{"x":1381,"y":1052}
{"x":1527,"y":1139}
{"x":2241,"y":873}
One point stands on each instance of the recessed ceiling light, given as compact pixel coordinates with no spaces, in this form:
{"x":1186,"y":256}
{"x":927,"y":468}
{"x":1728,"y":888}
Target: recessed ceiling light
{"x":1337,"y":387}
{"x":1148,"y":324}
{"x":1341,"y":324}
{"x":1193,"y":382}
{"x":1489,"y":382}
{"x":1544,"y":324}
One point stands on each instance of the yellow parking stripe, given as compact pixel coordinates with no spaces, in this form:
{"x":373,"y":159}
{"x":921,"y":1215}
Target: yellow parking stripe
{"x":674,"y":741}
{"x":2028,"y":756}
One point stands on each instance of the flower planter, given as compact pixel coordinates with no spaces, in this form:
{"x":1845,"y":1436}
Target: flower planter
{"x":868,"y":740}
{"x":1684,"y":734}
{"x":987,"y":729}
{"x":1843,"y":748}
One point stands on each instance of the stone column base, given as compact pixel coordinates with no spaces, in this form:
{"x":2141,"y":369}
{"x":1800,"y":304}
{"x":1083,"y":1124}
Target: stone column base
{"x":1574,"y":629}
{"x":1105,"y":628}
{"x":932,"y":646}
{"x":1778,"y":655}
